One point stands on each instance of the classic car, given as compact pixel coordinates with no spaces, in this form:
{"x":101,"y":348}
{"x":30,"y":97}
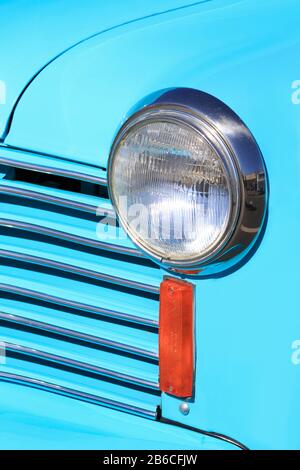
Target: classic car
{"x":149,"y":213}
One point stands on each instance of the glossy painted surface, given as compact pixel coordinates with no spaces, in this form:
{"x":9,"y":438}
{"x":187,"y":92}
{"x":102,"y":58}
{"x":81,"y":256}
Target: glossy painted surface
{"x":33,"y":419}
{"x":247,"y":54}
{"x":33,"y":32}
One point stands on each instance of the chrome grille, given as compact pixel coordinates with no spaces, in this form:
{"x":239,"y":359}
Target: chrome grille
{"x":78,"y":314}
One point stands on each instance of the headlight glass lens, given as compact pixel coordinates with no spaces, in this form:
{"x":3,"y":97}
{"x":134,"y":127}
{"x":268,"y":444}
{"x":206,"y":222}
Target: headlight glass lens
{"x":172,"y":189}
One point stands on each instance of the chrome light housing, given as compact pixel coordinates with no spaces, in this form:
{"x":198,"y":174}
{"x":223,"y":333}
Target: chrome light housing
{"x":187,"y":180}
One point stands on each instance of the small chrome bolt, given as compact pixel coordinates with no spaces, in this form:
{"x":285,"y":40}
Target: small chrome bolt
{"x":184,"y":408}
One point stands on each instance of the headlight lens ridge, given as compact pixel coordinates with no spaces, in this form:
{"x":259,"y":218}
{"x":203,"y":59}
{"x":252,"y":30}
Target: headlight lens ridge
{"x":178,"y":185}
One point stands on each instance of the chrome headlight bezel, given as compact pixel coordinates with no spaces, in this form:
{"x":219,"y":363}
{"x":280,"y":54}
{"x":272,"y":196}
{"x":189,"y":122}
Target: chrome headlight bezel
{"x":239,"y":152}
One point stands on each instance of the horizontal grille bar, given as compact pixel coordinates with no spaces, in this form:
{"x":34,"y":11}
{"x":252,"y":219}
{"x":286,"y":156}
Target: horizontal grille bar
{"x":65,"y":332}
{"x":79,"y":395}
{"x":107,"y":269}
{"x":68,"y":227}
{"x":80,"y":295}
{"x":54,"y":196}
{"x":140,"y":341}
{"x":77,"y":305}
{"x":53,"y":165}
{"x":78,"y":270}
{"x":11,"y":223}
{"x":34,"y":353}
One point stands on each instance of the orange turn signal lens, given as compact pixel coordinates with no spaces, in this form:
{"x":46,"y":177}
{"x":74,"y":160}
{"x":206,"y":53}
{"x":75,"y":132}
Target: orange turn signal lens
{"x":176,"y":338}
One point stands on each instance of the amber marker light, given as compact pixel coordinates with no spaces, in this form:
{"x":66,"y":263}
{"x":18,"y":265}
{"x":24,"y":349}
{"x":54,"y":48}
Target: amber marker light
{"x":176,"y":338}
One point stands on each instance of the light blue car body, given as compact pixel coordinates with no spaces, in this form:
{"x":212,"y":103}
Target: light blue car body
{"x":73,"y":73}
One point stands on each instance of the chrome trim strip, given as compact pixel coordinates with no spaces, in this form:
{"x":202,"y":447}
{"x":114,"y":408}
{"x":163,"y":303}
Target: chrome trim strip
{"x":77,"y":270}
{"x":52,"y":170}
{"x":77,"y":335}
{"x":76,"y":394}
{"x":78,"y":305}
{"x":55,"y":200}
{"x":67,"y":236}
{"x":35,"y":353}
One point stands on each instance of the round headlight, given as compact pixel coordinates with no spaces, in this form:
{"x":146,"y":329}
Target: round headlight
{"x":175,"y":181}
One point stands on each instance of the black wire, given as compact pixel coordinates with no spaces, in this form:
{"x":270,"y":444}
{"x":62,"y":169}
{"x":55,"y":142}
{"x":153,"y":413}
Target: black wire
{"x":216,"y":435}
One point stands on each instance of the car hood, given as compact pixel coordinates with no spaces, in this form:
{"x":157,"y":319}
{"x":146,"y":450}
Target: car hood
{"x":33,"y":33}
